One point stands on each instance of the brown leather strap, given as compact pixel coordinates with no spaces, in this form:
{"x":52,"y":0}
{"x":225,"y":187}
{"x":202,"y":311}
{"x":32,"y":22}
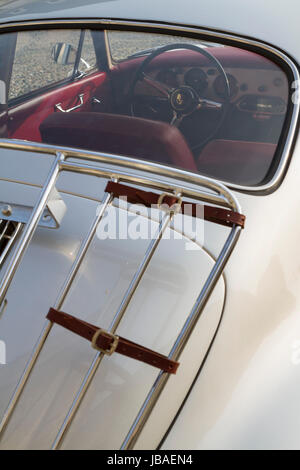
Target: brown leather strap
{"x":109,"y":343}
{"x":210,"y":213}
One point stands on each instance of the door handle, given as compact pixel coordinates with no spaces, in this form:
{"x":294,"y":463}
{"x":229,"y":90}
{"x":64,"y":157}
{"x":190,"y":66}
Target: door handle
{"x":59,"y":107}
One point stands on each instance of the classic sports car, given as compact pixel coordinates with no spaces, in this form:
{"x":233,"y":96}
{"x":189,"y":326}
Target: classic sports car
{"x":149,"y":268}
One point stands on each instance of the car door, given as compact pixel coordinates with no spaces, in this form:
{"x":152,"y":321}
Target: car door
{"x":61,"y":74}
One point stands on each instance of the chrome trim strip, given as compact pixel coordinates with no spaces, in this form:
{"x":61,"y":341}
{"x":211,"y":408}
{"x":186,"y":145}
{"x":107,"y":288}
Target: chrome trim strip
{"x":6,"y":224}
{"x":10,"y":243}
{"x":273,"y":184}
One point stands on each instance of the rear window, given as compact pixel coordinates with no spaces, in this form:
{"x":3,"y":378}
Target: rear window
{"x":197,"y":105}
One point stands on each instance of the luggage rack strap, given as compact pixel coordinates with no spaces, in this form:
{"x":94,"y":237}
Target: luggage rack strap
{"x":212,"y":214}
{"x":108,"y":343}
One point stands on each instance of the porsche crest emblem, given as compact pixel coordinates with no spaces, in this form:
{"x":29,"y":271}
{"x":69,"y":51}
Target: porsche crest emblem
{"x":179,"y":99}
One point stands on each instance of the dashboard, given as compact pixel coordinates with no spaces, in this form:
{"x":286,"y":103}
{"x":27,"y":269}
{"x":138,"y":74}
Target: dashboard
{"x":256,"y":91}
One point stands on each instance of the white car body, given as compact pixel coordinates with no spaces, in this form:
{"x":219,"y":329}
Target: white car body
{"x":243,"y":358}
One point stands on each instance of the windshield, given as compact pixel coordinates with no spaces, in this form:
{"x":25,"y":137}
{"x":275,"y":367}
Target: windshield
{"x":124,"y":45}
{"x":204,"y":107}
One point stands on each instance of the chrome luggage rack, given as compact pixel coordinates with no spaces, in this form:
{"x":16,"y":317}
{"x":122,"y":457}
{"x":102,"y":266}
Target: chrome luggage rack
{"x":217,"y":195}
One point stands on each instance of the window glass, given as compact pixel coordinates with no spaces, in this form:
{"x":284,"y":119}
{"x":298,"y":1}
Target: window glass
{"x":88,"y":59}
{"x":33,"y":65}
{"x":125,"y":44}
{"x":209,"y":108}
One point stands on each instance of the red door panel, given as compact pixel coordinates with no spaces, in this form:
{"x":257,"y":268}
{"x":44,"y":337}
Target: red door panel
{"x":25,"y":119}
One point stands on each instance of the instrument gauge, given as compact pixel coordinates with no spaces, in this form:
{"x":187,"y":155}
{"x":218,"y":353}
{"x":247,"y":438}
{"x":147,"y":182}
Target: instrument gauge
{"x":220,"y":86}
{"x":197,"y":79}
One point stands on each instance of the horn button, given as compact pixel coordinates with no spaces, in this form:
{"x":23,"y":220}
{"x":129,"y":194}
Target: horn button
{"x":184,"y":100}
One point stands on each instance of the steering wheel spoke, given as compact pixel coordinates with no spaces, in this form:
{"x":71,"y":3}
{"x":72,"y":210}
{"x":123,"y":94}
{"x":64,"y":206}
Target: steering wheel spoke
{"x":209,"y":104}
{"x":163,"y":88}
{"x":177,"y":119}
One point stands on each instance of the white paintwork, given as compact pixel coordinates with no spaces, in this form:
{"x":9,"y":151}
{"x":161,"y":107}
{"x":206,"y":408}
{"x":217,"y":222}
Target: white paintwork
{"x":247,"y":395}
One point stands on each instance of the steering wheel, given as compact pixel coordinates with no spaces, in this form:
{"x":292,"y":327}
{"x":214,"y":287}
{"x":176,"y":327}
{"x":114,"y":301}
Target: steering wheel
{"x":183,"y":100}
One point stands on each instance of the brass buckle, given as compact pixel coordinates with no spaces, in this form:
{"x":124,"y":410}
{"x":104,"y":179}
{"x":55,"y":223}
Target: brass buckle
{"x":177,"y":204}
{"x":113,"y":345}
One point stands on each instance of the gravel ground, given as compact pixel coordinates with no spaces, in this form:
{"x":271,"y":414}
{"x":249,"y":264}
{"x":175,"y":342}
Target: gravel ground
{"x":123,"y":44}
{"x":33,"y":65}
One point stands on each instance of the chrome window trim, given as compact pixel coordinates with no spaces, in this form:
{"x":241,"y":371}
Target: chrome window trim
{"x":290,"y":138}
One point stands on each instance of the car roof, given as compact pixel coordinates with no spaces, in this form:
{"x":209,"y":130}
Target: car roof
{"x":272,"y":21}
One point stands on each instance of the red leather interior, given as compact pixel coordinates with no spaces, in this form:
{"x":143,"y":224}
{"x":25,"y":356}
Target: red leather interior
{"x":122,"y":135}
{"x":25,"y":119}
{"x":38,"y":120}
{"x":234,"y":160}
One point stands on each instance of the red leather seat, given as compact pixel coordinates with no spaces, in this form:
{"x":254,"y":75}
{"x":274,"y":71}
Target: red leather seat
{"x":121,"y":135}
{"x":245,"y":163}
